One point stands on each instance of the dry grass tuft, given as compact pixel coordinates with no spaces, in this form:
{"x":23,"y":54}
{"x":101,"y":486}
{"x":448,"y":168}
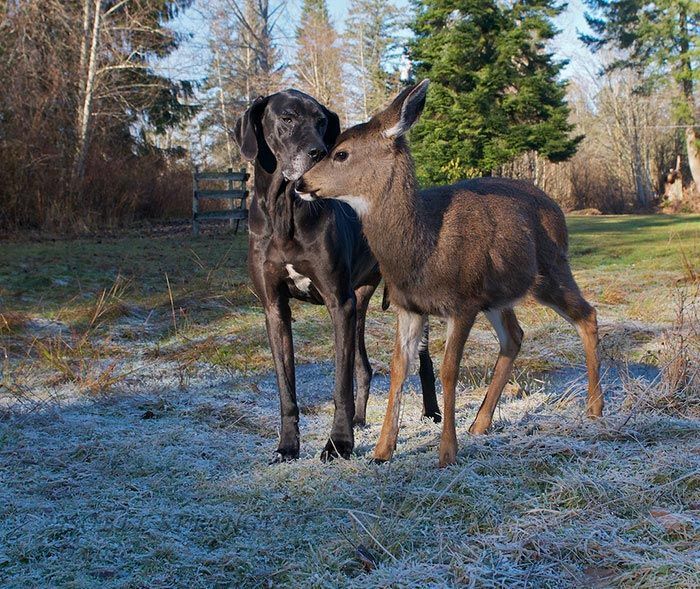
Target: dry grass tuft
{"x":677,"y":390}
{"x":13,"y":323}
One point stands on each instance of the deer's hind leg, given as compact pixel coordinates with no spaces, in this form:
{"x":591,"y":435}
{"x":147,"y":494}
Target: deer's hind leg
{"x":408,"y":336}
{"x":561,"y":293}
{"x":510,"y":337}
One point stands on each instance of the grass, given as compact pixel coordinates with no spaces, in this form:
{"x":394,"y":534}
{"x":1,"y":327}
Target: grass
{"x":138,"y":412}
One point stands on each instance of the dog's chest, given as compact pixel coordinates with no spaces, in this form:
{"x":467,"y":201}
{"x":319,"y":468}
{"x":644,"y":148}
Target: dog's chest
{"x":303,"y":283}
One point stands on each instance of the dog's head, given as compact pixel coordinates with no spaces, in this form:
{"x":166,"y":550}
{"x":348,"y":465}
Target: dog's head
{"x":288,"y":129}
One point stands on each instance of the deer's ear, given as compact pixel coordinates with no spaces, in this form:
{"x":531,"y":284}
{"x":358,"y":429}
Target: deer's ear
{"x":248,"y":129}
{"x":403,"y":113}
{"x":332,"y":128}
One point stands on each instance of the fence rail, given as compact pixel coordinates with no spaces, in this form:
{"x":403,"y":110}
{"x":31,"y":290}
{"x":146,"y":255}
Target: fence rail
{"x":235,"y":214}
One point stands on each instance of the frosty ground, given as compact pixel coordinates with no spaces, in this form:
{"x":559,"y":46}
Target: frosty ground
{"x":138,"y":412}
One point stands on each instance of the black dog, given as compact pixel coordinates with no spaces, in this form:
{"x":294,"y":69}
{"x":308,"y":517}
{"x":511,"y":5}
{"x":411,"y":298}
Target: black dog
{"x":314,"y":252}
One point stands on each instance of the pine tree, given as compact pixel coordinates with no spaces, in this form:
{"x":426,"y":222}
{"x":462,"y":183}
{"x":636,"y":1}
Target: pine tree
{"x":372,"y":39}
{"x":495,"y":91}
{"x":318,"y":65}
{"x":659,"y":40}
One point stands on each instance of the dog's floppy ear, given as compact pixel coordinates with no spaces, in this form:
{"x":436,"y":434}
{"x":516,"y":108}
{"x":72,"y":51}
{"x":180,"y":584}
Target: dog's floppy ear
{"x":332,"y":128}
{"x":248,"y":129}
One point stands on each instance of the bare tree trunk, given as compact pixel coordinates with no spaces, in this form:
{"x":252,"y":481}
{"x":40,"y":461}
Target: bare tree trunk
{"x":85,"y":112}
{"x":691,"y":143}
{"x":365,"y":110}
{"x":691,"y":137}
{"x":224,"y":116}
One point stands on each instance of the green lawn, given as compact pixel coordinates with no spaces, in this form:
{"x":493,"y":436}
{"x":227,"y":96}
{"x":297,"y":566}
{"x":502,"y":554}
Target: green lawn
{"x":644,"y":243}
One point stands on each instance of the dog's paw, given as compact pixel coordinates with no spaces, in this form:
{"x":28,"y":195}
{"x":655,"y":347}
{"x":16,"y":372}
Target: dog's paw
{"x":359,"y":422}
{"x":436,"y":417}
{"x":336,"y":449}
{"x":282,"y":455}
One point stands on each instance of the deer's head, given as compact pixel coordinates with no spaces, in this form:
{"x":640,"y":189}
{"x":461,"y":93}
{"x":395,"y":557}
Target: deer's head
{"x":364,"y":158}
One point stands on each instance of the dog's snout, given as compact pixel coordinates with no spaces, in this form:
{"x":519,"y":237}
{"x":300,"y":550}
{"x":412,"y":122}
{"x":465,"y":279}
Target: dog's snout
{"x":317,"y":153}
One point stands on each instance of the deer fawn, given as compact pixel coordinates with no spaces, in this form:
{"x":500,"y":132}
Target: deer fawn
{"x":452,"y":251}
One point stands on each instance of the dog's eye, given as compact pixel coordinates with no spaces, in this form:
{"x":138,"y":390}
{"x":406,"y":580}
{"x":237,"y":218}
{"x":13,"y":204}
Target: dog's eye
{"x":340,"y":156}
{"x":320,"y":123}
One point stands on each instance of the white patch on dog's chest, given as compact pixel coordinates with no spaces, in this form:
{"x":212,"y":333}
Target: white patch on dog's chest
{"x":303,"y":283}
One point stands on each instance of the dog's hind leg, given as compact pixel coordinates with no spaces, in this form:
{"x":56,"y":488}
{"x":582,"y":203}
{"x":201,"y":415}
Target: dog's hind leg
{"x":427,"y":377}
{"x":363,"y":369}
{"x":343,"y":310}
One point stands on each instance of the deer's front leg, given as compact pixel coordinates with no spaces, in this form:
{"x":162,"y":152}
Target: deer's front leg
{"x":408,"y":335}
{"x":343,"y":315}
{"x":457,"y":333}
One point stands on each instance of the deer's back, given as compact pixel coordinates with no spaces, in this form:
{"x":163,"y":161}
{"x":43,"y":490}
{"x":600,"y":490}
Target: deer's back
{"x":492,"y":239}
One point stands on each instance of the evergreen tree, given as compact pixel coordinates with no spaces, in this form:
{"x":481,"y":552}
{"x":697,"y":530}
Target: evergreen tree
{"x":372,"y":39}
{"x":495,"y":91}
{"x":318,"y":64}
{"x":659,"y":39}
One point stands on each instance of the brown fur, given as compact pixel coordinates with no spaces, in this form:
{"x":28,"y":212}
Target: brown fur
{"x":453,"y":251}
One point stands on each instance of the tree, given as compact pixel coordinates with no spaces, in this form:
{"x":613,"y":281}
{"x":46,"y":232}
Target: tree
{"x":495,"y":91}
{"x":659,"y":38}
{"x":318,"y":64}
{"x":245,"y":64}
{"x":81,"y":99}
{"x":372,"y":39}
{"x":115,"y":79}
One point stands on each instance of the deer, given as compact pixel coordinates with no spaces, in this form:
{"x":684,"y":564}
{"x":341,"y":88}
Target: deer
{"x":476,"y":246}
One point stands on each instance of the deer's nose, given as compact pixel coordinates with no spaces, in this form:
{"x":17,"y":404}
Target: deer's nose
{"x":317,"y":153}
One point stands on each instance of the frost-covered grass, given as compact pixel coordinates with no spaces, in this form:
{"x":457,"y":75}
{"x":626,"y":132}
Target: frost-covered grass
{"x":138,"y":414}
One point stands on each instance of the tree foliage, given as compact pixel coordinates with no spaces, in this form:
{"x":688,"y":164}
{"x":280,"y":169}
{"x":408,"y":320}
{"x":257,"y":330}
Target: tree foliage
{"x":245,"y":63}
{"x":372,"y":40}
{"x":660,"y":41}
{"x":319,"y":61}
{"x":495,"y":91}
{"x":79,"y":90}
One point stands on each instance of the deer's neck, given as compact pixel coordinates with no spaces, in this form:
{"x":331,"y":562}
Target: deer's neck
{"x":396,"y":228}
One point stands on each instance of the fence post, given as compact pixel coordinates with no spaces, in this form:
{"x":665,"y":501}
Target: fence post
{"x":242,"y":206}
{"x":231,"y":202}
{"x":195,"y":202}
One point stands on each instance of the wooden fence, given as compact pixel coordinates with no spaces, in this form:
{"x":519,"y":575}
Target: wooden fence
{"x":235,"y":214}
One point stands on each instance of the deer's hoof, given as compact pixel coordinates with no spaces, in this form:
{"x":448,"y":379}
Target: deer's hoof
{"x":477,"y":429}
{"x":375,"y":460}
{"x":447,"y":459}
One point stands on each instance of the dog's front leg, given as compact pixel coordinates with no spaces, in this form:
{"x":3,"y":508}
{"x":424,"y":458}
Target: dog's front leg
{"x":278,"y":320}
{"x":343,"y":315}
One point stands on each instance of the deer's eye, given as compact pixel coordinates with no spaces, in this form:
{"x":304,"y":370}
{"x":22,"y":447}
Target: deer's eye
{"x":340,"y":156}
